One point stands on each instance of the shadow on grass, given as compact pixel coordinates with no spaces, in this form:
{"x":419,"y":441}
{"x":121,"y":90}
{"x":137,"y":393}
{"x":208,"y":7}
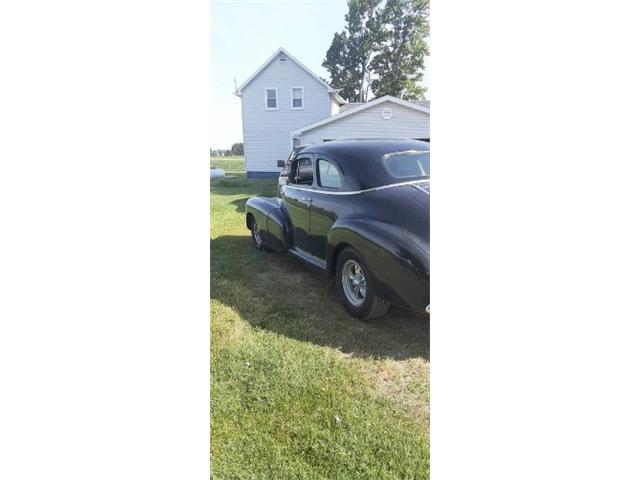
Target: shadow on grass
{"x":278,"y":293}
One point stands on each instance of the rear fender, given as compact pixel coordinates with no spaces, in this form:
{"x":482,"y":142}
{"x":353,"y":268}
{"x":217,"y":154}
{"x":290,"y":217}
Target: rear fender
{"x":400,"y":267}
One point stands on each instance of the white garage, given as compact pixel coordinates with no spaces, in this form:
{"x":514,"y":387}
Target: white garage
{"x":384,"y":117}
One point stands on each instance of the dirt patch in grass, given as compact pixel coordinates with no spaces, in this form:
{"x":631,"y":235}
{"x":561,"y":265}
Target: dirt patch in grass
{"x":405,"y":382}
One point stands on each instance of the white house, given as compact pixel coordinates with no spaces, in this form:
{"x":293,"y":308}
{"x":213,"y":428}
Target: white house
{"x":285,"y":104}
{"x":387,"y":117}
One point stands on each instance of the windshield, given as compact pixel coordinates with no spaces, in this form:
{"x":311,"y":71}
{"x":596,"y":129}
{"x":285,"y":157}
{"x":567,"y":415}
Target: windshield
{"x":407,"y":164}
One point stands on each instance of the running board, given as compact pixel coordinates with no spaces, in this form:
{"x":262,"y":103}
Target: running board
{"x":315,"y":261}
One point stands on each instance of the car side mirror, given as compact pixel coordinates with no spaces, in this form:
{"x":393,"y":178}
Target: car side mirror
{"x":280,"y":163}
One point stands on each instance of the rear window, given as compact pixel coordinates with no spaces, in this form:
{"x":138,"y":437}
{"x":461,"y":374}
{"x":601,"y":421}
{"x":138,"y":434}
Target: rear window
{"x":407,"y":164}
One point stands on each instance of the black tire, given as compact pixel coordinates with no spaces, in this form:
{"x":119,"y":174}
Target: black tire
{"x":371,"y":306}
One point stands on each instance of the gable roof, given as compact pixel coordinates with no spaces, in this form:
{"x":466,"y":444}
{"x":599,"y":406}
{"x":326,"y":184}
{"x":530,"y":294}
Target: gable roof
{"x":360,"y":108}
{"x":349,"y":106}
{"x":280,"y":50}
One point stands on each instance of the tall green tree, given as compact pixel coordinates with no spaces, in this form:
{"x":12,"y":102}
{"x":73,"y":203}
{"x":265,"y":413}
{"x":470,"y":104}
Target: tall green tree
{"x":349,"y":57}
{"x":399,"y":61}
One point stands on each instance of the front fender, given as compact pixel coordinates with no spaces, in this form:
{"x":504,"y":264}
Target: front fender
{"x":398,"y":262}
{"x":271,"y":221}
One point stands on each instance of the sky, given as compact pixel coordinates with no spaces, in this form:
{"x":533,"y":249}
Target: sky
{"x":245,"y":33}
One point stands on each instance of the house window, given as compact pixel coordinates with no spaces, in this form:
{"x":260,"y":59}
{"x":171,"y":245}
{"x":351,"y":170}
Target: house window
{"x":297,"y":94}
{"x":271,"y":98}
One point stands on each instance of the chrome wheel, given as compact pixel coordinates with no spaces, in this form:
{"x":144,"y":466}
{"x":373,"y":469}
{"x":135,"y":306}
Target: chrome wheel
{"x":256,"y":235}
{"x":354,"y":283}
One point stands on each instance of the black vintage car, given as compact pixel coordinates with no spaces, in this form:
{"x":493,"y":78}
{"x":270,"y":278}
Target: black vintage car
{"x":359,"y":210}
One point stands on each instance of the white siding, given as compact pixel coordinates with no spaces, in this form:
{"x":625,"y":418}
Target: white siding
{"x":267,"y":133}
{"x":335,"y":107}
{"x":406,"y":123}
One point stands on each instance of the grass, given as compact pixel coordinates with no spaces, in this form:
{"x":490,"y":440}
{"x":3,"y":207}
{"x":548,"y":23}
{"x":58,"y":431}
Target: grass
{"x":233,"y":164}
{"x":299,"y":389}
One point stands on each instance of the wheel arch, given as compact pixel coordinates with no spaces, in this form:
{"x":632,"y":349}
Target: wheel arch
{"x":249,"y":219}
{"x":269,"y":218}
{"x":332,"y":260}
{"x":399,"y":267}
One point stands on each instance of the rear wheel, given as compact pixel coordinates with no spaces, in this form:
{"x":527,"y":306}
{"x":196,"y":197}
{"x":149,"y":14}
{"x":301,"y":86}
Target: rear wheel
{"x":356,"y":288}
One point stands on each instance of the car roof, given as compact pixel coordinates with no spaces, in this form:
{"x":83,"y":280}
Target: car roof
{"x":360,"y":159}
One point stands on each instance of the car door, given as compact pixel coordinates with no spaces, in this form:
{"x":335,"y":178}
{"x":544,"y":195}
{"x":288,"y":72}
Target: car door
{"x":326,"y":204}
{"x":296,"y":198}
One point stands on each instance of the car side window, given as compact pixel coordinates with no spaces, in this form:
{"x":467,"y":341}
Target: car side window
{"x":302,"y":171}
{"x":328,"y":175}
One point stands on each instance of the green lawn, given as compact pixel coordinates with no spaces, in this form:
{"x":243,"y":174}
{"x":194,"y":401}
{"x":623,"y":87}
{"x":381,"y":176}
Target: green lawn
{"x":299,"y":389}
{"x":234,"y":164}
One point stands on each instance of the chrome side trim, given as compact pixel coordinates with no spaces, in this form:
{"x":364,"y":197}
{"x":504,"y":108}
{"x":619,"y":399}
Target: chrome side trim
{"x":422,"y":189}
{"x":405,"y":152}
{"x":357,"y":192}
{"x":307,"y":257}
